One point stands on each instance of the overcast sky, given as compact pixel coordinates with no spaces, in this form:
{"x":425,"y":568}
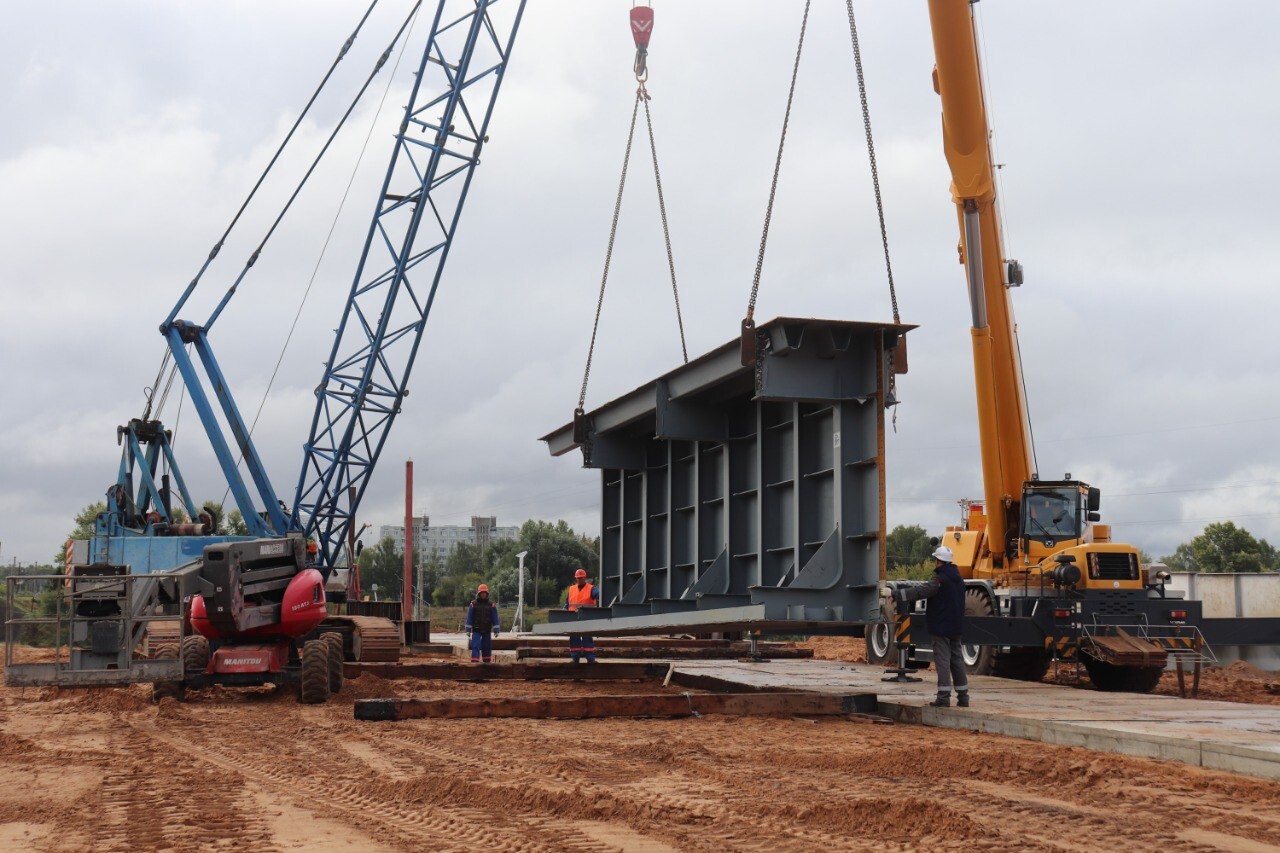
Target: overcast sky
{"x":1139,"y":182}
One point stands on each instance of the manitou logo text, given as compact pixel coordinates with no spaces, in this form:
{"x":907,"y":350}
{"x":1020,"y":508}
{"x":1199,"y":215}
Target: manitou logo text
{"x":242,"y":662}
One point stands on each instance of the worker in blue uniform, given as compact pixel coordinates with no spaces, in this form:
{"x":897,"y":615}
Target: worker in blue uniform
{"x":482,"y":625}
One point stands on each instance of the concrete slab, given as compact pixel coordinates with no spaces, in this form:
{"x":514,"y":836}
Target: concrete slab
{"x":1228,"y":736}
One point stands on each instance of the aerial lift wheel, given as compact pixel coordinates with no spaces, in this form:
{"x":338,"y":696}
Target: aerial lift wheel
{"x":195,"y":654}
{"x":315,"y":672}
{"x":167,"y":689}
{"x":334,"y":642}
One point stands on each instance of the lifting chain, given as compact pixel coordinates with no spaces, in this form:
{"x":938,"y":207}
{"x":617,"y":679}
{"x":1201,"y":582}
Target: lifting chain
{"x":891,"y":398}
{"x":608,"y":257}
{"x":749,"y":324}
{"x":643,"y":94}
{"x":871,"y":155}
{"x":749,"y":348}
{"x":641,"y":29}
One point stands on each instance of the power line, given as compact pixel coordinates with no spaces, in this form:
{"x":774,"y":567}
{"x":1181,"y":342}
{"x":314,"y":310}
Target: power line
{"x":1193,"y":520}
{"x":1183,"y":428}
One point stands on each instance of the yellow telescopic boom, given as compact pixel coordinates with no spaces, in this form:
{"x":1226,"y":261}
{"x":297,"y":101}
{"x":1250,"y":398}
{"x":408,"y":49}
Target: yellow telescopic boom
{"x":1003,"y":427}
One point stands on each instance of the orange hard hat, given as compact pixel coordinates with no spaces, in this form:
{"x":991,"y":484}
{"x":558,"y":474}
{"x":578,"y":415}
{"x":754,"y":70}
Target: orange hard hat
{"x":482,"y":588}
{"x":580,"y":573}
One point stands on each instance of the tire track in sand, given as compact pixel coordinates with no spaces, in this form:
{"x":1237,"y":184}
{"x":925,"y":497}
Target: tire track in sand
{"x":185,"y":808}
{"x":340,"y":787}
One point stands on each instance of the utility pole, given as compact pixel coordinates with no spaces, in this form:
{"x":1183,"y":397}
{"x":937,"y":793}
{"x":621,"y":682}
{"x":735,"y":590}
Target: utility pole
{"x":406,"y":595}
{"x":537,"y":569}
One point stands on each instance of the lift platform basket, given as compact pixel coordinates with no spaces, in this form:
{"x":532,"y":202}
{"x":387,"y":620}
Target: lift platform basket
{"x":740,"y":496}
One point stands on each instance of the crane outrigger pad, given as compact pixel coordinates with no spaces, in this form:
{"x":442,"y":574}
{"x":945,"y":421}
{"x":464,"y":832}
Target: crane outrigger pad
{"x":736,"y":496}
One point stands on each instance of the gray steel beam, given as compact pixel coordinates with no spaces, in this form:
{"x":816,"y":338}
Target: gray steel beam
{"x":735,"y":494}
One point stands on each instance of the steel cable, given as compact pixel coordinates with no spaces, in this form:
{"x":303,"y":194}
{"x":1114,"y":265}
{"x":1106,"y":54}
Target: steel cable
{"x":213,"y":253}
{"x":253,"y":258}
{"x":328,"y":237}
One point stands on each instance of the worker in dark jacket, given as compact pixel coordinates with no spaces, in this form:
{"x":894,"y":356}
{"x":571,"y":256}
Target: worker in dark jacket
{"x":581,"y":594}
{"x":482,"y":625}
{"x":944,"y":616}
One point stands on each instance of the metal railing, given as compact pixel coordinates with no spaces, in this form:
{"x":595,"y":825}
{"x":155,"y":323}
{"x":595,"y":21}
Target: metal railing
{"x":1182,"y":644}
{"x":94,"y":643}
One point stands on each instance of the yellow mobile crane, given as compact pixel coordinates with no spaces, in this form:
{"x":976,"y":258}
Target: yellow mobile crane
{"x":1024,"y":525}
{"x":1044,"y":579}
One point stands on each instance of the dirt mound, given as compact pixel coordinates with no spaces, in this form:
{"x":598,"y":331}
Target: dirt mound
{"x":893,"y":820}
{"x":1235,"y":682}
{"x":367,"y":686}
{"x":848,"y":649}
{"x":115,"y":700}
{"x":1244,"y":669}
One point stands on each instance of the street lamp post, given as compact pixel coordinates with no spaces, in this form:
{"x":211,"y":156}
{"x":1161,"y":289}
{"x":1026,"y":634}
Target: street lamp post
{"x":519,"y":618}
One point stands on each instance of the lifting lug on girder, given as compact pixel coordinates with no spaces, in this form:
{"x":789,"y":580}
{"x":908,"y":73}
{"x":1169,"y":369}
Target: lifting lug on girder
{"x":749,"y":350}
{"x":580,"y":424}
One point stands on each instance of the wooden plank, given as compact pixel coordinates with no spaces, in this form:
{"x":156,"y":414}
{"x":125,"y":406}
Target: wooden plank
{"x":727,"y":652}
{"x":648,"y":705}
{"x":509,"y":643}
{"x":566,"y":671}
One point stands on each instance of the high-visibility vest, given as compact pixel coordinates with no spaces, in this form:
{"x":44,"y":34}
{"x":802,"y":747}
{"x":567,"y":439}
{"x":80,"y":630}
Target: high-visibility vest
{"x":581,"y":595}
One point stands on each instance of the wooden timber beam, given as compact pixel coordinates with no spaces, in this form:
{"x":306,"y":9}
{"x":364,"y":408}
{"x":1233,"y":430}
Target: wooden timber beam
{"x":662,"y":652}
{"x":648,"y":705}
{"x":565,"y":671}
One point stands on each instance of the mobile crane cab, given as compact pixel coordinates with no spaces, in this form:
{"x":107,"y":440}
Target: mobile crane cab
{"x":1058,"y":522}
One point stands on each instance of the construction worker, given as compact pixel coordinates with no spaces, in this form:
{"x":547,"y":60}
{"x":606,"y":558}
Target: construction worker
{"x":579,"y":595}
{"x":944,"y":616}
{"x":482,"y":625}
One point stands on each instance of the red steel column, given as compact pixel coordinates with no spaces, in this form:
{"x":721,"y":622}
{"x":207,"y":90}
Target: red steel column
{"x":406,"y":595}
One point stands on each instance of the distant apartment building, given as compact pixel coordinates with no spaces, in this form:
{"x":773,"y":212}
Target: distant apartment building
{"x":442,"y":539}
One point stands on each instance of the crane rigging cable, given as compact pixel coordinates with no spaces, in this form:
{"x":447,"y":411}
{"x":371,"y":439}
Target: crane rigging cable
{"x":217,"y":247}
{"x":315,"y":270}
{"x":253,"y":258}
{"x":641,"y":29}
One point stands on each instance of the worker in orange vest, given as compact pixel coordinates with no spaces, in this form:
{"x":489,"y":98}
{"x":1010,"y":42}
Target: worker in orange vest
{"x":482,"y":625}
{"x":582,"y":594}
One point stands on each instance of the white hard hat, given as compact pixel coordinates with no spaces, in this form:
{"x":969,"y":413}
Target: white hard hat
{"x":943,"y":553}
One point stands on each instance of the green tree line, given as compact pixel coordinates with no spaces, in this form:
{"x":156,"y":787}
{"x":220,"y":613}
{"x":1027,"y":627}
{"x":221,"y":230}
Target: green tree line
{"x":556,"y":551}
{"x":1222,"y":547}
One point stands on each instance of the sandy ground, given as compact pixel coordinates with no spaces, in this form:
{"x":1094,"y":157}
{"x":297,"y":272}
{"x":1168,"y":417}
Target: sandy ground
{"x":107,"y":770}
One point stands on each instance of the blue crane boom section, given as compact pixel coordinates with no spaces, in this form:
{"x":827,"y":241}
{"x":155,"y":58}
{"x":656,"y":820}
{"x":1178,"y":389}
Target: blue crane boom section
{"x":437,"y":149}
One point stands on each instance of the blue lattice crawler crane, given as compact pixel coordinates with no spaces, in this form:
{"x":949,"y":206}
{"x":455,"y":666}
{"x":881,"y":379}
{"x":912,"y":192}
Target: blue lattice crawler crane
{"x":252,"y":609}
